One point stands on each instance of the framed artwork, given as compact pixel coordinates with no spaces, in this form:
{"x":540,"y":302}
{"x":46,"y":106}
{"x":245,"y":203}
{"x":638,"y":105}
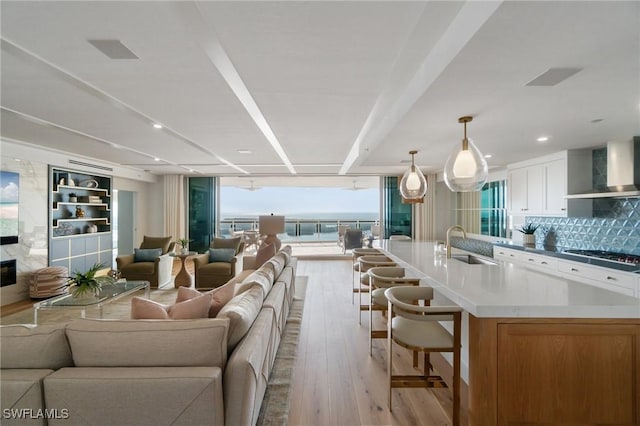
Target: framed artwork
{"x":9,"y":197}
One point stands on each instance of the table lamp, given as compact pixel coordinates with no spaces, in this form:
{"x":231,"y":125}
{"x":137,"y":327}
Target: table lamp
{"x":271,"y":226}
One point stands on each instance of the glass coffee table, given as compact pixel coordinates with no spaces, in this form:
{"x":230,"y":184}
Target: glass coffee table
{"x":108,"y":294}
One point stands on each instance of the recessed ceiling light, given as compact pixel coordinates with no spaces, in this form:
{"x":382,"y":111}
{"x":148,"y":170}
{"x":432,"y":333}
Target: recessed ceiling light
{"x":156,"y":159}
{"x":244,"y":151}
{"x":488,"y":156}
{"x":543,"y":139}
{"x":157,"y":126}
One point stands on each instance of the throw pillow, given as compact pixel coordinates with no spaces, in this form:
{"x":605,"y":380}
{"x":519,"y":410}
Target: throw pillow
{"x":146,"y":255}
{"x":265,"y":253}
{"x":197,"y":307}
{"x":233,"y":243}
{"x":220,"y":296}
{"x":221,"y":254}
{"x":147,"y":309}
{"x":162,"y":243}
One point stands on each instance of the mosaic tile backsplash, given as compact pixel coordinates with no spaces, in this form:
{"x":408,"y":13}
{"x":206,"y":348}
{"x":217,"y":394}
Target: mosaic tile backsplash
{"x":615,"y":225}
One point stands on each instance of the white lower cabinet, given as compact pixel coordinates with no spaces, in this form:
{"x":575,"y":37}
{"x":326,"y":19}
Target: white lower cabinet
{"x":602,"y":277}
{"x":619,"y":281}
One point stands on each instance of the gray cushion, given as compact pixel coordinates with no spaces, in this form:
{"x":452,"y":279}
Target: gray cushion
{"x":146,"y":255}
{"x":221,"y":254}
{"x":41,"y":347}
{"x":148,"y":343}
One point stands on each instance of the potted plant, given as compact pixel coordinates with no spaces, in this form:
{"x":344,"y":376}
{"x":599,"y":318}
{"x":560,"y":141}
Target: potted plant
{"x":528,"y":230}
{"x":86,"y":284}
{"x":73,"y":198}
{"x":184,"y":243}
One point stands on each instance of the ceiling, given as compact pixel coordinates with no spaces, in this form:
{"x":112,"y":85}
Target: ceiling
{"x":316,"y":88}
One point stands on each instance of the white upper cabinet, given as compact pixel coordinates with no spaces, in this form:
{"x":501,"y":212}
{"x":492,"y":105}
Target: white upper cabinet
{"x":526,"y":190}
{"x":555,"y":185}
{"x":538,"y":187}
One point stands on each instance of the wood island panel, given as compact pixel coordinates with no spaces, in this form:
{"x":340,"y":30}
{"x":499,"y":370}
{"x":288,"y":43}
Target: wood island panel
{"x":554,"y":371}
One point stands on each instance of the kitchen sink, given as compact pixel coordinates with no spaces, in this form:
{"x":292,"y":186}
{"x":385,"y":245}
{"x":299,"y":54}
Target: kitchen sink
{"x":473,"y":260}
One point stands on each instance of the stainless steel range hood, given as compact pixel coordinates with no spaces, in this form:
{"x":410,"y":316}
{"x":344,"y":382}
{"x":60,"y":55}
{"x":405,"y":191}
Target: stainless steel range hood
{"x":623,"y":171}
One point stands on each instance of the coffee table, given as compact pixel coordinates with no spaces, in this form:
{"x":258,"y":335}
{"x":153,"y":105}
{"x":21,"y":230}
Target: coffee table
{"x":108,"y":294}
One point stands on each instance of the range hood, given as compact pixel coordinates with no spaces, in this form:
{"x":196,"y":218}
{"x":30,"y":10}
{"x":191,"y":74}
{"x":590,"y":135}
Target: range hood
{"x":623,"y":171}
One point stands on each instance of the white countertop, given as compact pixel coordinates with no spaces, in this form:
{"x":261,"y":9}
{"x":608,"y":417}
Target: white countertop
{"x":506,"y":289}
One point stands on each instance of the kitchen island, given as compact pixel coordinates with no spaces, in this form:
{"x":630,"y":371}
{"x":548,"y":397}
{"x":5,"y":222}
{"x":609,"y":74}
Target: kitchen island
{"x":540,"y":349}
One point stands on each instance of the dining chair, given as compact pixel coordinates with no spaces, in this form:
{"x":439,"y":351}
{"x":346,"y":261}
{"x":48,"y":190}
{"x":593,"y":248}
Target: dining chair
{"x":417,"y":327}
{"x":380,"y":279}
{"x":355,"y":254}
{"x":367,"y":262}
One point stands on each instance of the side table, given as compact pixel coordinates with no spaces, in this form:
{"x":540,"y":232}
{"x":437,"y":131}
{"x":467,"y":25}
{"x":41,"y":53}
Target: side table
{"x":184,"y":278}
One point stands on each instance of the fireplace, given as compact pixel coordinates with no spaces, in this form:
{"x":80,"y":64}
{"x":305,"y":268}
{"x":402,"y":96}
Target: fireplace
{"x":8,"y":272}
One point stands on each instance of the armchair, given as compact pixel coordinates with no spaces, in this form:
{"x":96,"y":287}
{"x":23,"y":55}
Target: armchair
{"x":157,"y":270}
{"x":352,"y":239}
{"x":215,"y":269}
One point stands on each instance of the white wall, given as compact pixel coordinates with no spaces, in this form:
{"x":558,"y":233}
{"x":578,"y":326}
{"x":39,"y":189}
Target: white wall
{"x":31,"y":251}
{"x":146,"y":211}
{"x":32,"y":163}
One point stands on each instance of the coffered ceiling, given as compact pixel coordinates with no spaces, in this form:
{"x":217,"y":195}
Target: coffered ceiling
{"x":315,"y":87}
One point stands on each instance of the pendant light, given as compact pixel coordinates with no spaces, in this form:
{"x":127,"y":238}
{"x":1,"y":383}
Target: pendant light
{"x":413,"y":185}
{"x":466,"y":169}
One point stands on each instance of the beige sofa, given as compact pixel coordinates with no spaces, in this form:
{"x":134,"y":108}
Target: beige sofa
{"x":193,"y":372}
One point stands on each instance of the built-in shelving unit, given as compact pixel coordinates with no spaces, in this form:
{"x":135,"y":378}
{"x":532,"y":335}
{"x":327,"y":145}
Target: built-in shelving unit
{"x":79,"y":219}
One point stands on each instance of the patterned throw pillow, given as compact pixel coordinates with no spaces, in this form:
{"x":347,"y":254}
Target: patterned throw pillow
{"x":146,"y":255}
{"x":221,"y":254}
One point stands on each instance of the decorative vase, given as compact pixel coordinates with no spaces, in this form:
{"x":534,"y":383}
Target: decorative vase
{"x":529,"y":239}
{"x":184,"y":250}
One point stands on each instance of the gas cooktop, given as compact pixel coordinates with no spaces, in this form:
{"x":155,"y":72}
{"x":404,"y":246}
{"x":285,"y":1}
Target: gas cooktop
{"x":607,"y":255}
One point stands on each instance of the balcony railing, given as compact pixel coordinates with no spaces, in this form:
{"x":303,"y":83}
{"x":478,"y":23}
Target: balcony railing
{"x":300,"y":230}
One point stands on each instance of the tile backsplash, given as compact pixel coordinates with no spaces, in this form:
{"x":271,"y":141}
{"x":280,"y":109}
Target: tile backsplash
{"x":615,"y":225}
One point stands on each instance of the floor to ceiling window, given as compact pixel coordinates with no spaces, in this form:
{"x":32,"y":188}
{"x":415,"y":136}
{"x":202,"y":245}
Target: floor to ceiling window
{"x":202,"y":212}
{"x":397,"y":215}
{"x":314,"y":208}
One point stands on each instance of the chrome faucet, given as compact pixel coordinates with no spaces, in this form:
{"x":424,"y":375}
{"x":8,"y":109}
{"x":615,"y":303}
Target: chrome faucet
{"x":451,"y":228}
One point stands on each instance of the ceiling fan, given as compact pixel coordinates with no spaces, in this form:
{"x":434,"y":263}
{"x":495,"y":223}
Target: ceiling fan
{"x":355,"y":187}
{"x":251,"y":187}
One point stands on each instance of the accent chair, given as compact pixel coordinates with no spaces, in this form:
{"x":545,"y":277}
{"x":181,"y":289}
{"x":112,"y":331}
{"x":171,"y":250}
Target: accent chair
{"x":151,"y":262}
{"x":219,"y":264}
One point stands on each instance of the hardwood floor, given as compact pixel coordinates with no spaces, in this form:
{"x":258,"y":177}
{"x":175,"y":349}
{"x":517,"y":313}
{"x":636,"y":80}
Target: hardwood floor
{"x":336,"y":382}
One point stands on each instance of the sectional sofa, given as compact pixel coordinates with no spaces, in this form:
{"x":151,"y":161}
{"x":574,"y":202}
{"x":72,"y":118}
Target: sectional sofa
{"x":151,"y":372}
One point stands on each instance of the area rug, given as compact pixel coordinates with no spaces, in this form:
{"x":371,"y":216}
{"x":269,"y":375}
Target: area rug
{"x":275,"y":405}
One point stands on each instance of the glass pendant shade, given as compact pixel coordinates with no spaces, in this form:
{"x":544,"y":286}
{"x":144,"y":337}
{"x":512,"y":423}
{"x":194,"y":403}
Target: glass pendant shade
{"x":413,"y":185}
{"x":466,"y":169}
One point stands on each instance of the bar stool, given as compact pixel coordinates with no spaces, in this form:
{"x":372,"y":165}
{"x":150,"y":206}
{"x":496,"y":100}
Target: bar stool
{"x":380,"y":279}
{"x":356,"y":253}
{"x":367,"y":262}
{"x":417,"y":327}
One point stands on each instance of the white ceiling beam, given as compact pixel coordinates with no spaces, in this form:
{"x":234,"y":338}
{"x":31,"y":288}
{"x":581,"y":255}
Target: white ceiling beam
{"x":381,"y":120}
{"x":194,"y":22}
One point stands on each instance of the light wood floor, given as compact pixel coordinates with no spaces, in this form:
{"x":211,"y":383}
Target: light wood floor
{"x":336,"y":382}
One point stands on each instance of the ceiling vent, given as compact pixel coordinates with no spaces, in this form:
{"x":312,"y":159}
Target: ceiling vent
{"x":95,"y":166}
{"x":553,"y":76}
{"x":114,"y":49}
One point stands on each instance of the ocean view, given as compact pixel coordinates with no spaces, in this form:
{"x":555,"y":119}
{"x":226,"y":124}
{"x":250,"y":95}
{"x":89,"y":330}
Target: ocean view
{"x":343,"y":216}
